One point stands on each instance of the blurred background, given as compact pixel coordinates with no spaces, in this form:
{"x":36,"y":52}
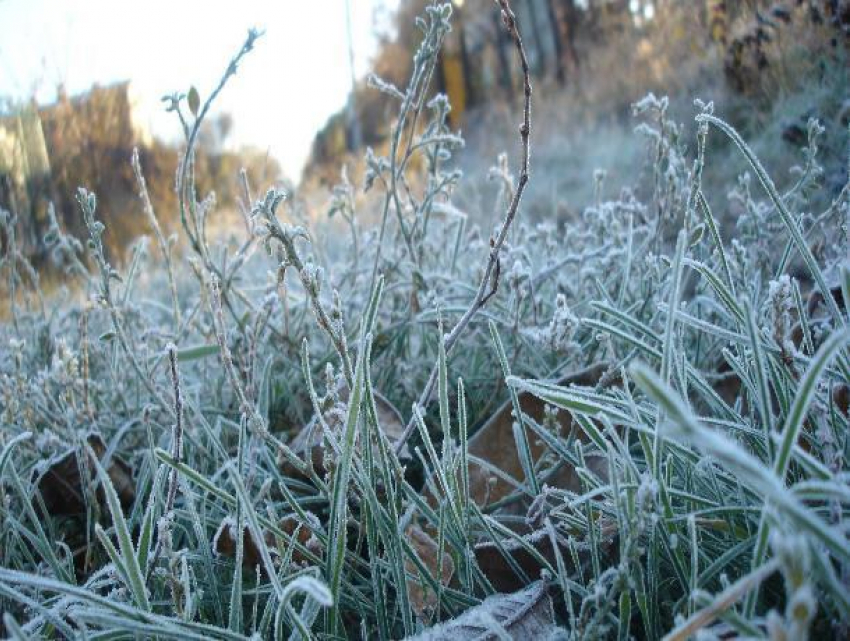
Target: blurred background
{"x":81,"y":85}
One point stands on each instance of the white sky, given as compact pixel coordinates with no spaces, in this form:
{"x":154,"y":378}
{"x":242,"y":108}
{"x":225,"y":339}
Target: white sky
{"x":295,"y":78}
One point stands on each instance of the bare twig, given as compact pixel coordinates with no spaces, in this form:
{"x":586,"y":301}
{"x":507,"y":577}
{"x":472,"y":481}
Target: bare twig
{"x":490,"y":281}
{"x":184,"y":178}
{"x":412,"y":101}
{"x":193,"y":222}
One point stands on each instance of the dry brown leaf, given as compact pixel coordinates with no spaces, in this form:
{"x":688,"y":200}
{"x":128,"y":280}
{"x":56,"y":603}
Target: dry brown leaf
{"x":61,"y":487}
{"x":422,"y":597}
{"x":224,"y":541}
{"x":816,"y":306}
{"x":308,"y":443}
{"x":841,"y":398}
{"x":727,"y":384}
{"x":527,"y":614}
{"x":494,"y":443}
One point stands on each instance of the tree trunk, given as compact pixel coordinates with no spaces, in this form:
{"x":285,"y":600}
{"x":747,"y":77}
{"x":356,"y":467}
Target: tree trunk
{"x":555,"y":25}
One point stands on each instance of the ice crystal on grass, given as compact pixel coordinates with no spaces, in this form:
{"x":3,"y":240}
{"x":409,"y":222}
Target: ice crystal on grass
{"x":670,"y":412}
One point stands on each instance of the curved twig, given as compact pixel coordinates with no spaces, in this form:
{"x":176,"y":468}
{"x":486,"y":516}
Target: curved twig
{"x":490,"y":281}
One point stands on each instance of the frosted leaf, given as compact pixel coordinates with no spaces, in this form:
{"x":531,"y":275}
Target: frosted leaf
{"x":376,"y":82}
{"x":563,"y":326}
{"x":778,"y":308}
{"x":527,"y":614}
{"x":650,"y":103}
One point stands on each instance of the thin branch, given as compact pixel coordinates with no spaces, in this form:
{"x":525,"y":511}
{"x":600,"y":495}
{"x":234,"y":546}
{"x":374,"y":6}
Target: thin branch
{"x":183,"y":175}
{"x":490,"y":281}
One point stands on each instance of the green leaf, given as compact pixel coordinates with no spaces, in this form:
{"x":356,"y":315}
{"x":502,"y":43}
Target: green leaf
{"x":125,"y":544}
{"x":696,"y":235}
{"x":196,"y":352}
{"x":194,"y":100}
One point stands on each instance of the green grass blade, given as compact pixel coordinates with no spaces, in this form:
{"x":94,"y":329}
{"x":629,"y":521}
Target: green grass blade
{"x":122,"y":532}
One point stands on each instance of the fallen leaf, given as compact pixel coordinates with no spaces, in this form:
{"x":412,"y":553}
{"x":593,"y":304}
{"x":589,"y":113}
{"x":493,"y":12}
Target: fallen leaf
{"x":422,"y":598}
{"x":527,"y":614}
{"x":309,"y":442}
{"x":841,"y":398}
{"x":727,"y":384}
{"x":494,"y":443}
{"x":60,"y":483}
{"x":816,"y":304}
{"x":224,"y":541}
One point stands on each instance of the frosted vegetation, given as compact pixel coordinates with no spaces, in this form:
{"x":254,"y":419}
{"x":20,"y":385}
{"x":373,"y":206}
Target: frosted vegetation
{"x":694,"y":386}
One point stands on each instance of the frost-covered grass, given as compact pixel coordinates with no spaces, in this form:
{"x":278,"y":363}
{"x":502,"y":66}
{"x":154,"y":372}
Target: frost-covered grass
{"x":142,"y":430}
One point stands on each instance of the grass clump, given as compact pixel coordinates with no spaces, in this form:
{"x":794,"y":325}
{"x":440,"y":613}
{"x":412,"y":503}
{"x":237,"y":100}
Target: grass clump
{"x":677,"y":407}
